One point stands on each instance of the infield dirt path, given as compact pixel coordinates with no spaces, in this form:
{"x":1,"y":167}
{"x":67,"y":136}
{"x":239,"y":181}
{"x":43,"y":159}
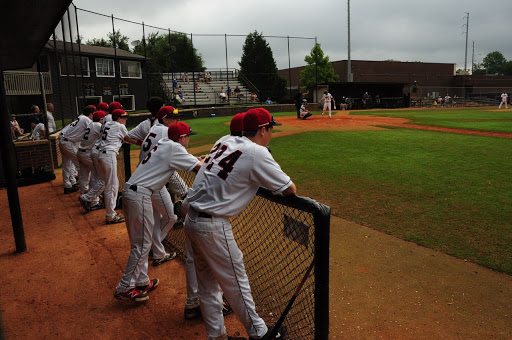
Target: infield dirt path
{"x":380,"y":287}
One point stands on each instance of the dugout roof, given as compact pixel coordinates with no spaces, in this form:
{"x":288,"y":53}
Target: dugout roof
{"x":25,"y":27}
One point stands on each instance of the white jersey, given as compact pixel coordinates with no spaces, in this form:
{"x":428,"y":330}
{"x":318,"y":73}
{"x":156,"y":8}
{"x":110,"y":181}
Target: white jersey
{"x":74,"y":131}
{"x":107,"y":118}
{"x":504,"y":97}
{"x":154,"y":134}
{"x":51,"y":122}
{"x":91,"y":136}
{"x":36,"y":134}
{"x":112,"y":136}
{"x":231,"y":175}
{"x":141,"y":131}
{"x":160,"y":163}
{"x":327,"y":97}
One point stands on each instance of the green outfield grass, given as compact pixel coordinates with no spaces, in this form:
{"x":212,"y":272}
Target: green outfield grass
{"x":465,"y":118}
{"x":445,"y":191}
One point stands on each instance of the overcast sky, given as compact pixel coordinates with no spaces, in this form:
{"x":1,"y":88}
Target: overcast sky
{"x":404,"y":30}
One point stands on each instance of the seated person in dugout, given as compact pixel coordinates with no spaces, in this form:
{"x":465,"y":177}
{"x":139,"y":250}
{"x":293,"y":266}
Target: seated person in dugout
{"x":304,"y":112}
{"x":15,"y":128}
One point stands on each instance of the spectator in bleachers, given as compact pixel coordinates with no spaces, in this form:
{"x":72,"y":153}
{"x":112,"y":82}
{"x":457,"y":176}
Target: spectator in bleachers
{"x":208,"y":77}
{"x":51,"y":121}
{"x":230,"y":92}
{"x":254,"y":97}
{"x":237,"y":92}
{"x":268,"y":101}
{"x":179,"y":97}
{"x":447,"y":98}
{"x":174,"y":83}
{"x":38,"y":131}
{"x":184,"y":77}
{"x":15,"y":128}
{"x":201,"y":77}
{"x":196,"y":85}
{"x":440,"y":100}
{"x":222,"y":95}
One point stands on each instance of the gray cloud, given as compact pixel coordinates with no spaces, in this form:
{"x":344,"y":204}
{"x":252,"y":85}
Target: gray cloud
{"x":399,"y":29}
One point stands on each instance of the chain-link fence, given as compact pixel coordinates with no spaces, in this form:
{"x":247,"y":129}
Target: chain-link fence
{"x":280,"y":237}
{"x":442,"y":96}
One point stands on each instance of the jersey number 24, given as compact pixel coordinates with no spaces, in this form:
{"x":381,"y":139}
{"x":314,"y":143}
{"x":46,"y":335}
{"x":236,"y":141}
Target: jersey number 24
{"x":227,"y":163}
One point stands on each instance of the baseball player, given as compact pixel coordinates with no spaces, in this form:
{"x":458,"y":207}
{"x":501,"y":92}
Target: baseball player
{"x":327,"y":98}
{"x":142,"y":129}
{"x":88,"y":172}
{"x":103,"y":107}
{"x":304,"y":112}
{"x":163,"y":208}
{"x":192,"y":305}
{"x":113,"y":134}
{"x":226,"y":183}
{"x":111,"y":107}
{"x":69,"y":138}
{"x":150,"y":177}
{"x":504,"y":98}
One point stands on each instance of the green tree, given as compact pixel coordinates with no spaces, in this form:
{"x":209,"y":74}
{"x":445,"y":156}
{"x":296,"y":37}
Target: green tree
{"x":121,"y":41}
{"x":507,"y":68}
{"x":179,"y":56}
{"x":184,"y":56}
{"x":494,"y":62}
{"x":319,"y":64}
{"x":257,"y":64}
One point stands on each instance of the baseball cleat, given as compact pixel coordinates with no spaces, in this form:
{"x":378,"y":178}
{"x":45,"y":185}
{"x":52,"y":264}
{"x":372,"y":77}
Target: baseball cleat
{"x":192,"y":313}
{"x":167,"y":257}
{"x":149,"y":287}
{"x":118,"y":218}
{"x":70,"y":190}
{"x":226,"y":308}
{"x":132,"y":294}
{"x":86,"y":205}
{"x":280,"y":334}
{"x":98,"y":206}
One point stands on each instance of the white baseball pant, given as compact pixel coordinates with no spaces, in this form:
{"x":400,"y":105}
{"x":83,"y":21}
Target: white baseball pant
{"x":70,"y":165}
{"x":138,"y":213}
{"x":219,"y":261}
{"x":108,"y":167}
{"x":86,"y":170}
{"x":327,"y":106}
{"x":97,"y":183}
{"x":164,"y":217}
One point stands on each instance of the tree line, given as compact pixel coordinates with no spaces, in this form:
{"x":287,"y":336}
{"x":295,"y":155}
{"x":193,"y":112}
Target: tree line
{"x":494,"y":63}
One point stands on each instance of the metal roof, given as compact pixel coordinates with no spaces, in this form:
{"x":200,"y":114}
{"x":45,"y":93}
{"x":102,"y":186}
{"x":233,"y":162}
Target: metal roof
{"x":93,"y":50}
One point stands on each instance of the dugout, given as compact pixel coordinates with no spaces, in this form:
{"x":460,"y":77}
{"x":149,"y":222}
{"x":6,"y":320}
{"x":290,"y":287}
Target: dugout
{"x":382,"y":95}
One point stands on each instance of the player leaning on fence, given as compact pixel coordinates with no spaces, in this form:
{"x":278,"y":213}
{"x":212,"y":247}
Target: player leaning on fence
{"x":226,"y":183}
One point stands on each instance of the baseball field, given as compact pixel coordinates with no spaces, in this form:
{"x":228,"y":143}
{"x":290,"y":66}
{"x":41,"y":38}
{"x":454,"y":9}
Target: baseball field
{"x":421,"y":237}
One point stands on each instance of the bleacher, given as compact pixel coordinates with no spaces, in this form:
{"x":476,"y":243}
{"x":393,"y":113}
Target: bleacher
{"x":208,"y":92}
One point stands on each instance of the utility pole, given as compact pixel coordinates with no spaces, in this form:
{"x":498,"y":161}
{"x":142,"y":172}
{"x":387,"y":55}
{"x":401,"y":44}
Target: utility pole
{"x":473,"y":58}
{"x":466,"y":54}
{"x":349,"y":62}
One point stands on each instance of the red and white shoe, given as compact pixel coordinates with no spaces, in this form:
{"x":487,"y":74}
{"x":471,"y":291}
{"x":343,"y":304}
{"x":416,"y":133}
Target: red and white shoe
{"x":133,"y":294}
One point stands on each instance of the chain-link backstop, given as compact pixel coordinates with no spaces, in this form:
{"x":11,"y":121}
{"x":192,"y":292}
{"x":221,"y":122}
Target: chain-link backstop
{"x":280,"y":237}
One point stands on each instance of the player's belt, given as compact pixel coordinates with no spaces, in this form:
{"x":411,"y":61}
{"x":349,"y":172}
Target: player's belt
{"x":83,"y":150}
{"x":139,"y":189}
{"x":203,"y":214}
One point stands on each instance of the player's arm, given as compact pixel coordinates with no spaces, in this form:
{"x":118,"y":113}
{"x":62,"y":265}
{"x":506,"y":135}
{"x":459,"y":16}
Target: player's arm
{"x":291,"y":190}
{"x":131,"y":140}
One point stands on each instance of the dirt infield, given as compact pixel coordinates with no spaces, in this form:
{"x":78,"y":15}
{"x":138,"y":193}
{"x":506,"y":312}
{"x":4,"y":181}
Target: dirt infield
{"x":380,"y":287}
